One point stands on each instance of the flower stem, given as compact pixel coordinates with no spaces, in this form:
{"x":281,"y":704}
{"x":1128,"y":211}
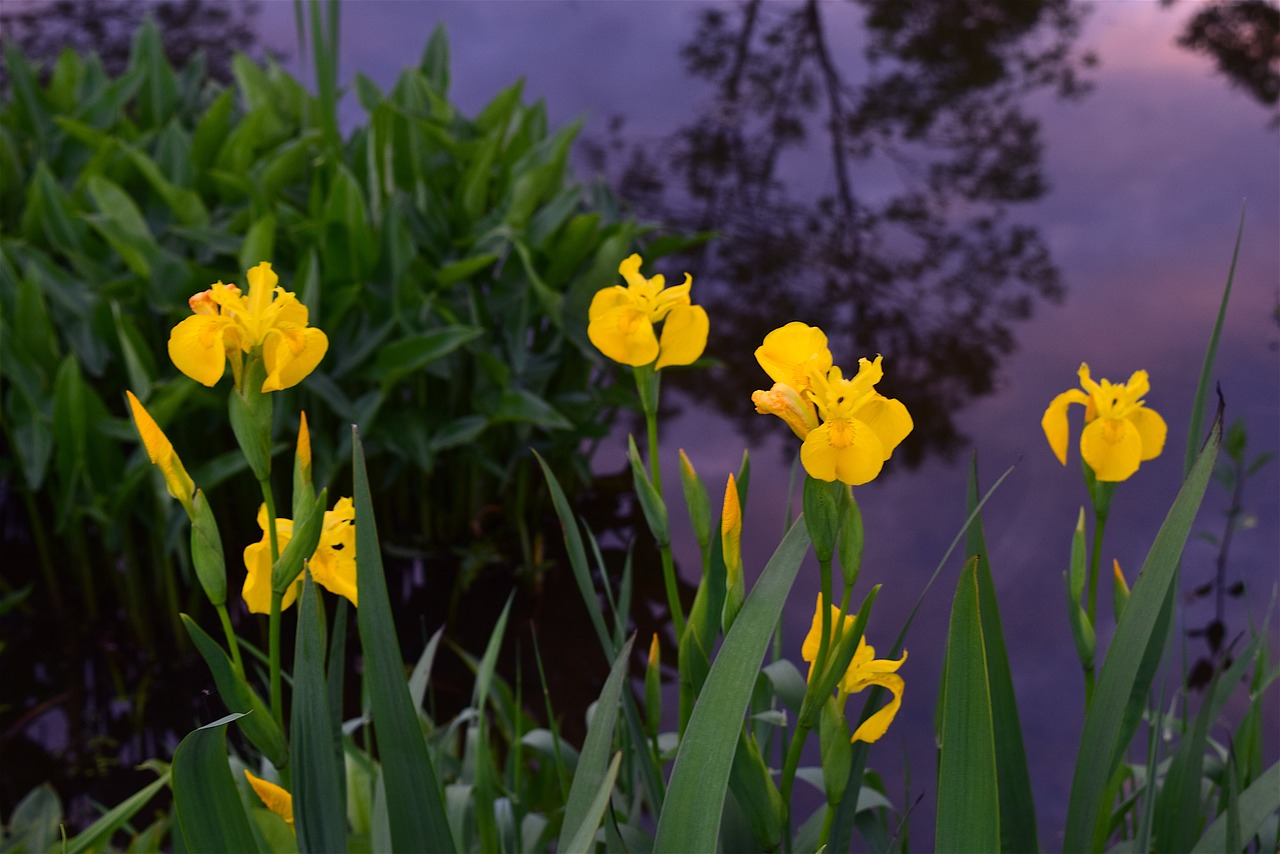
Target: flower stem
{"x":273,"y":626}
{"x":232,"y":641}
{"x":1095,"y":559}
{"x":647,"y":386}
{"x":789,"y":767}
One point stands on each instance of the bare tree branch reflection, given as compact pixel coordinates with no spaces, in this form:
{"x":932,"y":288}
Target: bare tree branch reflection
{"x":859,"y":177}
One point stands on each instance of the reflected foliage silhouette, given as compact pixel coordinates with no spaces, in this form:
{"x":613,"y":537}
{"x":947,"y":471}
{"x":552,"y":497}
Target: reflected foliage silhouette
{"x":43,"y":30}
{"x":1243,"y":39}
{"x":859,"y":177}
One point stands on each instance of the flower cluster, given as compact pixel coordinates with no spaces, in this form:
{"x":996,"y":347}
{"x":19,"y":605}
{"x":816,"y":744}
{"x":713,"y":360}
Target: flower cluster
{"x":332,"y":565}
{"x":848,"y":428}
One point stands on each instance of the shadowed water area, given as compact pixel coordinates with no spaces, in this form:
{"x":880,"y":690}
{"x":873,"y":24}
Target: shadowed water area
{"x":987,"y":194}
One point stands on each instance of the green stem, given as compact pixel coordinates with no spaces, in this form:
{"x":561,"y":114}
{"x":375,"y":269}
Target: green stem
{"x":827,"y":821}
{"x":1095,"y":559}
{"x":647,"y":387}
{"x":277,"y":695}
{"x":789,"y":767}
{"x":232,"y":641}
{"x":824,"y":642}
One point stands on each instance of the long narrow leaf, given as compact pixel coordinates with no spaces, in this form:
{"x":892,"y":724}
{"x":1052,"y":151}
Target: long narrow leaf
{"x":211,"y":816}
{"x":968,"y":788}
{"x":415,"y":803}
{"x":690,"y":819}
{"x":1255,"y":803}
{"x":320,"y":809}
{"x":591,"y":773}
{"x":100,"y":832}
{"x":1127,"y":669}
{"x":584,"y":839}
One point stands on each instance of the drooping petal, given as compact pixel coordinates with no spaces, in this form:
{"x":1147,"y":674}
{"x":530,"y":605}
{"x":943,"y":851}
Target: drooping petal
{"x":844,"y":450}
{"x":1054,"y":422}
{"x":275,"y":798}
{"x":874,"y":727}
{"x":785,"y":402}
{"x":1112,"y":447}
{"x":197,"y":347}
{"x":333,"y":566}
{"x":888,"y":418}
{"x":624,"y":334}
{"x":791,"y":351}
{"x":684,"y":336}
{"x":812,"y":641}
{"x":607,"y":299}
{"x":1151,"y":429}
{"x":290,"y":355}
{"x":257,"y":562}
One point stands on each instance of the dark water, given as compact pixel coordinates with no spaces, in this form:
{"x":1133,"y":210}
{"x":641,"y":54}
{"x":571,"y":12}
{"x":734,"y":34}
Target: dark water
{"x":1013,"y":189}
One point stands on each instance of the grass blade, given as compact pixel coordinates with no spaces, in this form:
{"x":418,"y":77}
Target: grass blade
{"x":690,"y":819}
{"x":591,"y":775}
{"x":584,"y":839}
{"x":968,"y":787}
{"x":96,"y":835}
{"x":1131,"y":658}
{"x":1255,"y":803}
{"x":415,"y":804}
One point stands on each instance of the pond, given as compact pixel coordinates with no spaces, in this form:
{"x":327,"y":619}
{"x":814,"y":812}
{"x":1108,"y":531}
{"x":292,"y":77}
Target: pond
{"x":986,"y":194}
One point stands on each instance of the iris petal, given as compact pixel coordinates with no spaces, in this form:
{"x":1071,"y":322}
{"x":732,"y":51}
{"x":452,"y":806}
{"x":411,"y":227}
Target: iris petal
{"x":788,"y":352}
{"x":197,"y":348}
{"x":624,"y":334}
{"x":1112,"y":447}
{"x":844,"y":450}
{"x":888,"y":418}
{"x":290,"y":355}
{"x":684,"y":336}
{"x":1054,"y":422}
{"x":874,"y":727}
{"x":1151,"y":429}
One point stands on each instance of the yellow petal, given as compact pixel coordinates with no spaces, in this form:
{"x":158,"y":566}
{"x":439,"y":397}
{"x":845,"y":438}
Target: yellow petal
{"x":789,"y":352}
{"x":161,"y":453}
{"x":290,"y":355}
{"x":888,"y":419}
{"x":812,"y":641}
{"x":1151,"y":429}
{"x":1112,"y":447}
{"x":874,"y":727}
{"x":844,"y":450}
{"x":276,"y":799}
{"x":1054,"y":422}
{"x":333,"y":566}
{"x":257,"y":563}
{"x":629,"y":269}
{"x":197,"y":347}
{"x":684,"y":336}
{"x":262,"y":285}
{"x":785,"y":402}
{"x":609,"y":298}
{"x":624,"y":334}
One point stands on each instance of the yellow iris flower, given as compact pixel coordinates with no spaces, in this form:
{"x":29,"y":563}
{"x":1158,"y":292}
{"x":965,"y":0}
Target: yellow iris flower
{"x":227,"y":325}
{"x":849,"y":429}
{"x":1119,"y":432}
{"x":276,"y":798}
{"x":621,"y":320}
{"x":333,"y":565}
{"x":161,"y":453}
{"x":865,"y":671}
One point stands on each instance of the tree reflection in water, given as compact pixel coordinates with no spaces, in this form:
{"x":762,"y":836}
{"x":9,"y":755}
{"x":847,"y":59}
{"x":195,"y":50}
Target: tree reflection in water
{"x":922,"y":145}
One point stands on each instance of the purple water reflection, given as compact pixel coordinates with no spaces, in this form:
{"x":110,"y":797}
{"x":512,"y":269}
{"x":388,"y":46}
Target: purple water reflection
{"x":1147,"y":175}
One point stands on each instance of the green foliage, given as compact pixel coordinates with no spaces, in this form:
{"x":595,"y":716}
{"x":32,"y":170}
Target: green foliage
{"x":450,"y":260}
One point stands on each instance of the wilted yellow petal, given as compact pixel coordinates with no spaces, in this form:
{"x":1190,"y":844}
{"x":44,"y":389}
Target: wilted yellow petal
{"x":276,"y":799}
{"x":785,"y":402}
{"x":1112,"y":447}
{"x":684,"y":336}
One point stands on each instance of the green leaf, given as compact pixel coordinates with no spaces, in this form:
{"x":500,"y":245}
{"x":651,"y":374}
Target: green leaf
{"x":524,"y":406}
{"x":302,"y":545}
{"x":1130,"y":663}
{"x":121,"y":223}
{"x":1260,"y":800}
{"x":34,"y":823}
{"x":259,"y":243}
{"x":1017,"y":809}
{"x":319,"y":806}
{"x":655,"y":510}
{"x":464,"y":269}
{"x":435,"y":60}
{"x":691,"y":813}
{"x":98,"y":834}
{"x":415,"y":803}
{"x":584,"y":839}
{"x":414,"y":352}
{"x":210,"y":814}
{"x":968,"y":787}
{"x":591,"y":772}
{"x":239,"y":697}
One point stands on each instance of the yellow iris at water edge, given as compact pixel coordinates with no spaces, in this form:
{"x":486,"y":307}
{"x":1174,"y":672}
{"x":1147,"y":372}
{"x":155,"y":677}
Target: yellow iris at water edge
{"x":864,"y":671}
{"x":332,"y":566}
{"x":622,"y":320}
{"x":228,"y":325}
{"x":1119,"y":433}
{"x":849,"y":429}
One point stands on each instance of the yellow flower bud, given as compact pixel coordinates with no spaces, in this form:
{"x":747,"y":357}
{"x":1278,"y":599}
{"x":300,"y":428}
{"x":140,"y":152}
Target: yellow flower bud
{"x":161,"y":453}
